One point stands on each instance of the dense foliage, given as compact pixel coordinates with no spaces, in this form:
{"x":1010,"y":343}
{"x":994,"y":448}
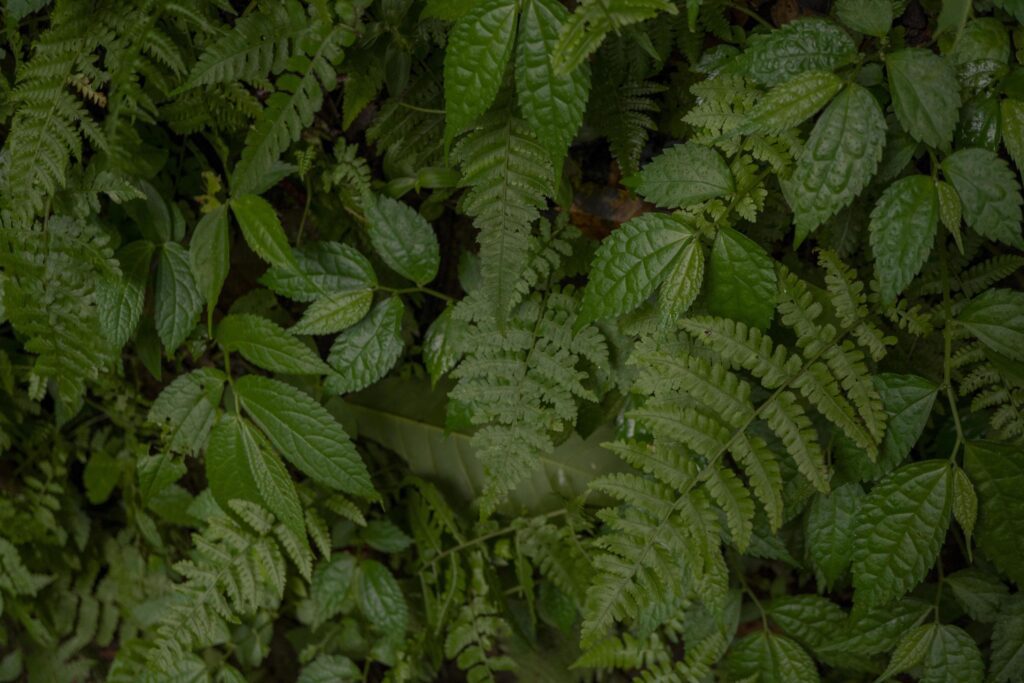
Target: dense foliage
{"x":413,"y":340}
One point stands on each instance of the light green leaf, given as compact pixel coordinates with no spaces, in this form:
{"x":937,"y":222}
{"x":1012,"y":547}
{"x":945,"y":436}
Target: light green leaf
{"x":788,"y":105}
{"x":364,"y":353}
{"x":268,"y":345}
{"x":178,"y":302}
{"x":683,"y":283}
{"x":187,"y":408}
{"x":903,"y":226}
{"x":1007,"y":663}
{"x":981,"y":594}
{"x":831,"y":525}
{"x":305,"y":434}
{"x":799,"y":46}
{"x":403,"y":238}
{"x":839,"y":159}
{"x":334,"y":312}
{"x":381,"y":601}
{"x":263,"y":231}
{"x":996,"y":317}
{"x":901,"y":527}
{"x":741,"y":280}
{"x":322,"y":268}
{"x":965,"y":504}
{"x":870,"y":17}
{"x":989,"y":192}
{"x":479,"y":47}
{"x":952,"y":657}
{"x":769,"y":658}
{"x":440,"y":353}
{"x":683,"y":175}
{"x":997,"y":472}
{"x":119,"y":300}
{"x":210,"y":255}
{"x":925,"y":94}
{"x":1012,"y":121}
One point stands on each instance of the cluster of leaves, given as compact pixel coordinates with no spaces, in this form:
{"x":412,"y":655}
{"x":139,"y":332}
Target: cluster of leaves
{"x":414,"y":340}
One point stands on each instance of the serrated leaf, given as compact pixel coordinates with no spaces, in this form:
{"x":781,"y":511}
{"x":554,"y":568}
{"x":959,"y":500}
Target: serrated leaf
{"x":925,"y":94}
{"x":262,"y":230}
{"x":322,"y":268}
{"x":331,"y":586}
{"x":908,"y":401}
{"x":989,"y":192}
{"x":903,"y":226}
{"x":813,"y":620}
{"x":383,"y":535}
{"x":952,"y":657}
{"x":1012,"y":122}
{"x":187,"y":408}
{"x":788,"y":105}
{"x":981,"y":594}
{"x":157,"y":472}
{"x":178,"y":302}
{"x":741,"y":280}
{"x":334,"y":312}
{"x":479,"y":47}
{"x":831,"y":525}
{"x":365,"y":352}
{"x":381,"y":601}
{"x":403,"y":238}
{"x":268,"y":345}
{"x":901,"y":527}
{"x":1007,"y":662}
{"x":997,"y":472}
{"x":331,"y":668}
{"x":910,"y":651}
{"x":440,"y":351}
{"x":870,"y":17}
{"x":839,"y":159}
{"x":304,"y":433}
{"x":799,"y":46}
{"x":965,"y":504}
{"x":119,"y":301}
{"x":683,"y":175}
{"x":769,"y":658}
{"x":996,"y":317}
{"x":210,"y":255}
{"x":950,"y":211}
{"x":683,"y":283}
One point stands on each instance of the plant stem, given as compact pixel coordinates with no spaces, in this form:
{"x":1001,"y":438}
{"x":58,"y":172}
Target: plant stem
{"x":947,"y":353}
{"x":486,"y":537}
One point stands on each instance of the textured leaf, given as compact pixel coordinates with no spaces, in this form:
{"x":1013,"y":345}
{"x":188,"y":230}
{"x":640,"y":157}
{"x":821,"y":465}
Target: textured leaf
{"x":1007,"y":663}
{"x":996,"y":317}
{"x":178,"y":302}
{"x":210,"y":255}
{"x":364,"y":353}
{"x":156,"y":473}
{"x":304,"y":433}
{"x":871,"y":17}
{"x":187,"y":408}
{"x":997,"y":472}
{"x":1012,"y":121}
{"x":831,"y":526}
{"x":799,"y":46}
{"x":812,"y":620}
{"x":322,"y":268}
{"x":330,"y":668}
{"x":683,"y":175}
{"x":403,"y":238}
{"x":952,"y":657}
{"x":262,"y":230}
{"x":334,"y":312}
{"x":925,"y":94}
{"x":741,"y":280}
{"x":908,"y":401}
{"x":381,"y":601}
{"x":839,"y":159}
{"x":788,"y":105}
{"x":875,"y":630}
{"x":901,"y":527}
{"x":903,"y":227}
{"x":382,"y":535}
{"x":950,"y":211}
{"x":965,"y":503}
{"x":769,"y":658}
{"x":683,"y":282}
{"x":268,"y":345}
{"x":332,"y":585}
{"x":120,"y":300}
{"x":440,"y":353}
{"x":910,"y":651}
{"x":587,"y":27}
{"x":981,"y":594}
{"x":989,"y":192}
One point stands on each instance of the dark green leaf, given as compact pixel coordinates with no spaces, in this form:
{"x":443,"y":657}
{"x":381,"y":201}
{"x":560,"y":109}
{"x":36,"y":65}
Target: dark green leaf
{"x":741,"y":280}
{"x":831,"y":525}
{"x":403,"y":238}
{"x":683,"y":175}
{"x":996,"y":317}
{"x":381,"y":601}
{"x":769,"y":658}
{"x":334,"y":312}
{"x":178,"y":301}
{"x":268,"y":345}
{"x":263,"y":231}
{"x":997,"y":472}
{"x":871,"y":17}
{"x":210,"y":255}
{"x":799,"y":46}
{"x":364,"y":353}
{"x":989,"y":192}
{"x":187,"y":408}
{"x":925,"y":94}
{"x":903,"y":227}
{"x":1007,"y":664}
{"x":120,"y":300}
{"x":322,"y":268}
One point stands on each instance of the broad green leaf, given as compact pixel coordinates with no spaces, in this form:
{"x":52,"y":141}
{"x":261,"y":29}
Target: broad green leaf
{"x":952,"y":18}
{"x":908,"y":401}
{"x":439,"y":351}
{"x":381,"y":601}
{"x":799,"y":46}
{"x":997,"y":471}
{"x":321,"y":268}
{"x":156,"y":473}
{"x":100,"y":476}
{"x":788,"y":105}
{"x":631,"y":263}
{"x":925,"y":94}
{"x":1012,"y":122}
{"x":365,"y":352}
{"x":1007,"y":662}
{"x":119,"y":300}
{"x":268,"y":345}
{"x":683,"y":175}
{"x":186,"y":409}
{"x":332,"y":585}
{"x":901,"y":527}
{"x":331,"y":668}
{"x":334,"y":312}
{"x":950,"y":211}
{"x":178,"y":302}
{"x":831,"y":525}
{"x":952,"y":657}
{"x":741,"y":280}
{"x":984,"y":45}
{"x":769,"y":658}
{"x":210,"y":255}
{"x":875,"y":630}
{"x":304,"y":433}
{"x":996,"y":317}
{"x":593,"y":20}
{"x":263,"y":231}
{"x":479,"y":47}
{"x":903,"y":226}
{"x":981,"y":594}
{"x":871,"y":17}
{"x":813,"y":620}
{"x":383,"y":535}
{"x":552,"y":104}
{"x":403,"y":238}
{"x":683,"y":282}
{"x":839,"y":159}
{"x":911,"y":650}
{"x":979,"y":124}
{"x":989,"y":192}
{"x":965,"y":504}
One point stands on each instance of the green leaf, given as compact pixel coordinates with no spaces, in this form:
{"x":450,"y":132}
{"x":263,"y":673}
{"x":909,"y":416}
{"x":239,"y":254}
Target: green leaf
{"x":875,"y":630}
{"x":187,"y":408}
{"x":178,"y":302}
{"x":440,"y":352}
{"x":365,"y":352}
{"x":381,"y":601}
{"x":870,"y":17}
{"x":403,"y":238}
{"x":952,"y":657}
{"x":334,"y":312}
{"x":100,"y":476}
{"x":965,"y":504}
{"x":839,"y":159}
{"x":911,"y":651}
{"x":479,"y":47}
{"x":119,"y":301}
{"x":156,"y":473}
{"x":683,"y":282}
{"x":903,"y":226}
{"x":812,"y":620}
{"x":1012,"y":121}
{"x":996,"y":317}
{"x":1007,"y":663}
{"x":925,"y":94}
{"x":952,"y":17}
{"x":997,"y":472}
{"x":631,"y":263}
{"x":210,"y":255}
{"x":382,"y":535}
{"x":950,"y":211}
{"x":741,"y":280}
{"x":263,"y":231}
{"x":683,"y":175}
{"x":322,"y":268}
{"x":331,"y":586}
{"x":981,"y":594}
{"x":989,"y":192}
{"x":830,"y":530}
{"x":305,"y":434}
{"x":552,"y":103}
{"x":788,"y":105}
{"x":268,"y":345}
{"x":900,"y":529}
{"x":799,"y":46}
{"x":331,"y":668}
{"x":769,"y":658}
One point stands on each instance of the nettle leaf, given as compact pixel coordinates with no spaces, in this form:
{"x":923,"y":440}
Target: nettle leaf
{"x":334,"y":312}
{"x":1011,"y":120}
{"x":799,"y":46}
{"x":268,"y":345}
{"x":210,"y":255}
{"x":741,"y":280}
{"x":683,"y":175}
{"x":950,"y":211}
{"x":996,"y":317}
{"x":874,"y":630}
{"x":332,"y":585}
{"x":322,"y":268}
{"x":901,"y":527}
{"x":831,"y":527}
{"x":304,"y":433}
{"x":925,"y":94}
{"x":871,"y":17}
{"x":119,"y":300}
{"x":683,"y":283}
{"x":552,"y":104}
{"x":910,"y":651}
{"x":903,"y":226}
{"x":952,"y":657}
{"x":769,"y":658}
{"x":997,"y":472}
{"x":989,"y":192}
{"x":382,"y":535}
{"x":1007,"y":663}
{"x":981,"y":594}
{"x":839,"y":159}
{"x":403,"y":238}
{"x":262,"y":230}
{"x":965,"y":503}
{"x":479,"y":47}
{"x":812,"y":619}
{"x":440,"y":350}
{"x":788,"y":105}
{"x":366,"y":352}
{"x":631,"y":263}
{"x":178,"y":302}
{"x":330,"y":668}
{"x":187,"y":408}
{"x":381,"y":600}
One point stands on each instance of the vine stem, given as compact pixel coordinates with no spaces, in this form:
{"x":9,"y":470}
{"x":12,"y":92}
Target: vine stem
{"x":947,"y":353}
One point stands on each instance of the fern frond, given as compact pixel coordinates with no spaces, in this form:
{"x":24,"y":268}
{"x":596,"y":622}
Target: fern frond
{"x":587,"y":27}
{"x":623,"y":111}
{"x":477,"y":630}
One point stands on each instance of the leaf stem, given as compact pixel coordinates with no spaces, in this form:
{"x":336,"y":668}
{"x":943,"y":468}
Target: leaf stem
{"x":487,"y":537}
{"x":424,"y":110}
{"x":947,"y":352}
{"x":417,"y":290}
